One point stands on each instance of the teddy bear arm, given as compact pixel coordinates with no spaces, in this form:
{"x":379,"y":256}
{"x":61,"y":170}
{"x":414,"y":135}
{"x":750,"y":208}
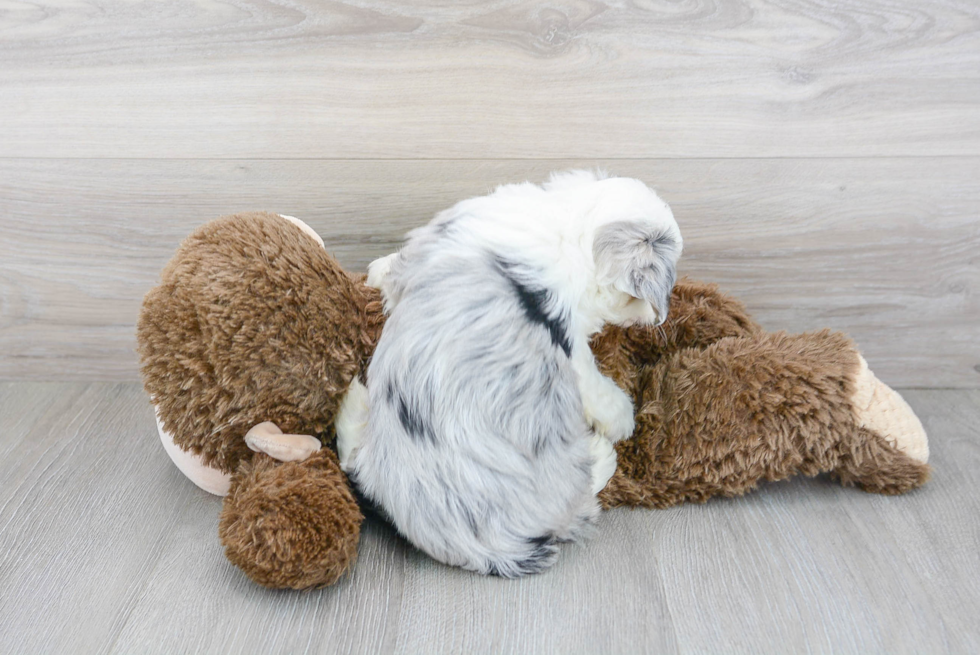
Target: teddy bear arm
{"x":266,"y":437}
{"x":720,"y":420}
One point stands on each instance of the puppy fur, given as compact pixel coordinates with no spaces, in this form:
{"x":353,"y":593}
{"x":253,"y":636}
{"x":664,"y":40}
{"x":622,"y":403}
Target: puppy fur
{"x":482,"y":431}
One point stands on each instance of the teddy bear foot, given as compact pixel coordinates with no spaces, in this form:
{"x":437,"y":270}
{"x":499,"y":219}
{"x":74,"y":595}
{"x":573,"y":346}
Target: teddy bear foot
{"x":291,"y":524}
{"x":881,"y":410}
{"x":887,"y":453}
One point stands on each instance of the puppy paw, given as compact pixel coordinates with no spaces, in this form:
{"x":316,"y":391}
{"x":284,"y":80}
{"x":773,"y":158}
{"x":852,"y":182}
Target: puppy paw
{"x":603,"y":463}
{"x":610,"y":412}
{"x":378,"y":270}
{"x":880,"y":409}
{"x":350,"y":423}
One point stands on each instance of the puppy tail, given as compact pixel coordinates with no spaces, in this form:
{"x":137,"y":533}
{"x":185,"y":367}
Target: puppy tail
{"x":539,"y":553}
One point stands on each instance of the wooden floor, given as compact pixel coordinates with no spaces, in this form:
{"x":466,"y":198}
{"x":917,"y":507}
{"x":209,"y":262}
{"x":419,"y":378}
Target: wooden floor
{"x":105,"y":548}
{"x":822,"y":158}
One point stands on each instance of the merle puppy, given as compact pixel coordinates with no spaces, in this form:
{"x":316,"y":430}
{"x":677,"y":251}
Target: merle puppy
{"x":485,"y":428}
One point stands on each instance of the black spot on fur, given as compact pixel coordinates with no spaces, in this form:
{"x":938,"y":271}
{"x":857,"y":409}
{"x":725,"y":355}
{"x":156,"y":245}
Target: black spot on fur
{"x":542,"y":540}
{"x":471,"y":521}
{"x":411,"y":419}
{"x":444,"y":226}
{"x":662,"y":243}
{"x":534,"y":303}
{"x":540,"y":557}
{"x":547,"y":438}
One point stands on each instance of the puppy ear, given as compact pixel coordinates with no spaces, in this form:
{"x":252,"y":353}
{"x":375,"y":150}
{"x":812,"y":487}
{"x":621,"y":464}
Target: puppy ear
{"x":638,"y":259}
{"x":573,"y":178}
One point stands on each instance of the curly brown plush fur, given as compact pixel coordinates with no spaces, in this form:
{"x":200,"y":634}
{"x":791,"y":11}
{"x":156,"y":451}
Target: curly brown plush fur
{"x":718,"y":420}
{"x":254,"y":322}
{"x":291,"y":524}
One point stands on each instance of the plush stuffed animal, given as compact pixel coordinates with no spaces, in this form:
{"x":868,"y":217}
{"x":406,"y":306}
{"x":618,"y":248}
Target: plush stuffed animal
{"x":254,"y":334}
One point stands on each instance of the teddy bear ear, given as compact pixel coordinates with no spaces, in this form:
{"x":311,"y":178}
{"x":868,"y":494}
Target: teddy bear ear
{"x":639,"y":259}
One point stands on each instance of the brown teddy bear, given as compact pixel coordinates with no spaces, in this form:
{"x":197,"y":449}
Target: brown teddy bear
{"x":254,"y":334}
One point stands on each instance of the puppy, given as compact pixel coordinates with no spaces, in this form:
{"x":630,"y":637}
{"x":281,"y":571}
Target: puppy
{"x":485,"y":428}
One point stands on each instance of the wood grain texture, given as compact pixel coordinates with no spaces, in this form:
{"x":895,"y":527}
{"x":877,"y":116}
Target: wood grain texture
{"x":884,"y":249}
{"x":500,"y":79}
{"x":105,"y":548}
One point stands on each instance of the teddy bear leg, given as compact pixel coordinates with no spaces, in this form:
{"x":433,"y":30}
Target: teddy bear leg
{"x":880,"y":409}
{"x":718,"y":421}
{"x":873,"y":464}
{"x":293,"y":524}
{"x":890,"y":454}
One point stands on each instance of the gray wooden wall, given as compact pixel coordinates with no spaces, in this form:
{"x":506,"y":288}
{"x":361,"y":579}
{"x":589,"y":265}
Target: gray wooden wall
{"x":822,"y":157}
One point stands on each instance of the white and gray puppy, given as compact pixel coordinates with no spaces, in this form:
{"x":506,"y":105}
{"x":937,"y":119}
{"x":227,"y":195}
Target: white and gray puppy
{"x":485,"y":429}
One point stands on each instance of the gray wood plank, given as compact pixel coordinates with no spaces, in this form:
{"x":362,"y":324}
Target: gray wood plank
{"x":804,"y":566}
{"x":220,"y":611}
{"x":508,"y":78}
{"x":20,"y":407}
{"x":105,"y":548}
{"x":883,"y":249}
{"x":85,"y":509}
{"x":607,"y":595}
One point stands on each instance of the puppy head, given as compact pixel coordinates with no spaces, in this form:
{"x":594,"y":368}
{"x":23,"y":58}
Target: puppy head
{"x":635,"y":247}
